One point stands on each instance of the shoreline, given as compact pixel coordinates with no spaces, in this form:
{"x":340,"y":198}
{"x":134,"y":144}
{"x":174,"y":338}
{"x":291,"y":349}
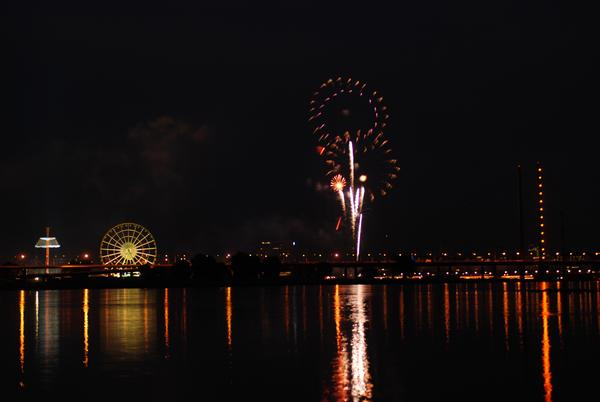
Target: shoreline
{"x":113,"y":283}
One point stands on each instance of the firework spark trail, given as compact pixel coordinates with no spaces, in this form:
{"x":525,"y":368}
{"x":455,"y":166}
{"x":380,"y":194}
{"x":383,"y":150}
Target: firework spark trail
{"x":342,"y":200}
{"x":361,"y":190}
{"x":352,"y":210}
{"x":351,"y":194}
{"x":362,"y":198}
{"x":351,"y":156}
{"x":358,"y":237}
{"x":339,"y":224}
{"x":356,"y":198}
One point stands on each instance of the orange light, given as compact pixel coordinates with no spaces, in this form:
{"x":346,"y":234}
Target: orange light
{"x":22,"y":256}
{"x":338,"y":182}
{"x":339,"y":224}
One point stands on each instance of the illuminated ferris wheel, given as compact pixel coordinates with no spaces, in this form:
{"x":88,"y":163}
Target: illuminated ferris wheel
{"x":128,"y":244}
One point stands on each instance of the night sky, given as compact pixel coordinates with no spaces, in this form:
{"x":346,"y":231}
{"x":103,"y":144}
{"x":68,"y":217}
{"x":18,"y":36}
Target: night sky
{"x":193,"y":123}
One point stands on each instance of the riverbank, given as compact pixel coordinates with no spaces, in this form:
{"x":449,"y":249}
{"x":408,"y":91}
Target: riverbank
{"x":100,"y":283}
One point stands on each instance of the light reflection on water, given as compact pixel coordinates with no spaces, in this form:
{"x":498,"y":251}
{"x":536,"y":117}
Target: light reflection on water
{"x":350,"y":367}
{"x":126,"y":330}
{"x":166,"y":320}
{"x":229,"y":314}
{"x":342,"y":342}
{"x":86,"y":327}
{"x":547,"y":372}
{"x":22,"y":332}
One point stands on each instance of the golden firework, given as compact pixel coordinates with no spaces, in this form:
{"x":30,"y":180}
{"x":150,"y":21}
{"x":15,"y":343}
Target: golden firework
{"x":338,"y":183}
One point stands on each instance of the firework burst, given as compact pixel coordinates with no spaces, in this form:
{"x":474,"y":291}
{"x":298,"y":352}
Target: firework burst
{"x":338,"y":183}
{"x":349,"y":121}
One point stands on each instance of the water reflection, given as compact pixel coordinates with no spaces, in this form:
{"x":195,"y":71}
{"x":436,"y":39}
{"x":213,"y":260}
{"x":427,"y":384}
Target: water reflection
{"x":401,"y":319}
{"x":361,"y":378}
{"x":476,"y":306}
{"x":50,"y":334}
{"x":340,"y":365}
{"x":146,"y":312}
{"x":286,"y":306}
{"x":505,"y":313}
{"x":547,"y":373}
{"x":351,"y":375}
{"x":166,"y":320}
{"x":597,"y":305}
{"x":457,"y":310}
{"x":446,"y":313}
{"x":429,"y":306}
{"x":22,"y":333}
{"x":127,"y":330}
{"x":321,"y":324}
{"x":559,"y":309}
{"x":340,"y":342}
{"x":385,"y":308}
{"x":37,"y":315}
{"x":467,"y":306}
{"x":519,"y":303}
{"x":490,"y":316}
{"x":86,"y":327}
{"x":228,"y":316}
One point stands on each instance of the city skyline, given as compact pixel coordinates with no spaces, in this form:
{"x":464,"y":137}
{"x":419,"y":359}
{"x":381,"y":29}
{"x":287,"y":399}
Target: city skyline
{"x":198,"y":131}
{"x":559,"y":245}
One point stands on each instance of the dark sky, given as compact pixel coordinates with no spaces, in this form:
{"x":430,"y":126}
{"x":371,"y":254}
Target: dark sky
{"x":193,"y":122}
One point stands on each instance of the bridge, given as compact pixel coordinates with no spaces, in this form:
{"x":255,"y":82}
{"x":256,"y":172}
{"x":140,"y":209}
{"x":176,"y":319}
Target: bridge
{"x":440,"y":270}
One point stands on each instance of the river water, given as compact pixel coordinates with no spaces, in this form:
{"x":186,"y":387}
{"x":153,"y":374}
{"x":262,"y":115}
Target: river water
{"x":411,"y":342}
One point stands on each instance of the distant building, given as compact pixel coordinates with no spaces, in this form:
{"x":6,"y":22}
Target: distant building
{"x":279,"y":249}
